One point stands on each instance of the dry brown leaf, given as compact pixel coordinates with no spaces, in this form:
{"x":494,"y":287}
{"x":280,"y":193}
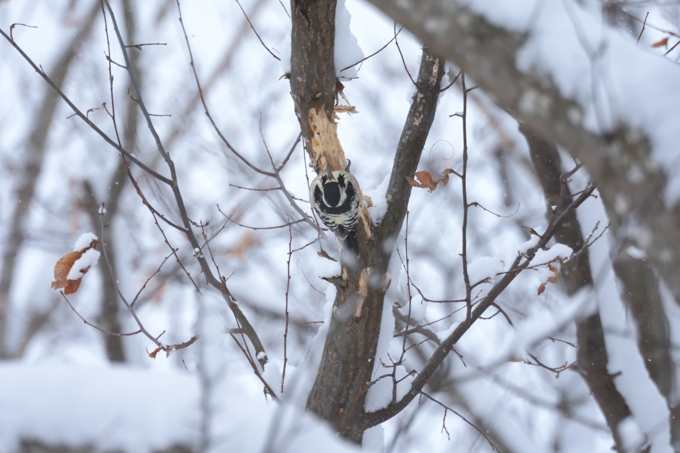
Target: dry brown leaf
{"x":661,"y":43}
{"x":556,"y":273}
{"x":72,"y":285}
{"x":153,"y":353}
{"x":541,"y":288}
{"x":412,"y":182}
{"x":445,"y":178}
{"x":425,"y":180}
{"x":63,"y":268}
{"x":554,"y":278}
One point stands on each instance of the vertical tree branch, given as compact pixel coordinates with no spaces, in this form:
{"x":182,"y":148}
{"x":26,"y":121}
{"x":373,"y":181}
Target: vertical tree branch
{"x":313,"y":82}
{"x":592,"y":355}
{"x":346,"y":368}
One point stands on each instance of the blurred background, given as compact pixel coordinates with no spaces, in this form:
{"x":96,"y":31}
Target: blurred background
{"x":65,"y":384}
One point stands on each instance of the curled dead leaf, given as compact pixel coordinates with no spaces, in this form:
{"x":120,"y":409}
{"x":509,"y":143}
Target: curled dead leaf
{"x":541,"y":288}
{"x":62,"y":270}
{"x":661,"y":43}
{"x":425,"y":180}
{"x":554,"y":268}
{"x":556,"y":273}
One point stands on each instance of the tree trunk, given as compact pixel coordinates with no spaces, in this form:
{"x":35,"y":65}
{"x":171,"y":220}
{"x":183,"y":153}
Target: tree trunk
{"x":344,"y":375}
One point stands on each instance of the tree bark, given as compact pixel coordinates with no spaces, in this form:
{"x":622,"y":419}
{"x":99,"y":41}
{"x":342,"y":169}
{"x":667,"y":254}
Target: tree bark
{"x":344,"y":375}
{"x":346,"y":368}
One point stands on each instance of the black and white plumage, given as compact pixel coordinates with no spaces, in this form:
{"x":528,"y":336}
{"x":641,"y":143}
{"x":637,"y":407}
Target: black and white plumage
{"x":336,"y":196}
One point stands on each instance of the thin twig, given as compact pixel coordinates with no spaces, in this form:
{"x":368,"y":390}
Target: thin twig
{"x":160,"y":346}
{"x":305,"y":275}
{"x":466,"y":206}
{"x":268,"y":389}
{"x":672,"y":48}
{"x":256,"y":33}
{"x":139,"y":46}
{"x":284,"y":8}
{"x":643,"y":28}
{"x":285,"y":332}
{"x":11,"y":28}
{"x":481,"y":432}
{"x":255,"y":189}
{"x":112,"y":115}
{"x":556,"y":370}
{"x":449,"y":86}
{"x":138,"y":96}
{"x":478,"y":205}
{"x":205,"y":105}
{"x":82,"y":116}
{"x":417,"y":329}
{"x":408,"y":289}
{"x":115,"y":334}
{"x":275,"y":227}
{"x":374,"y":53}
{"x":290,"y":152}
{"x":156,"y":272}
{"x":396,"y":41}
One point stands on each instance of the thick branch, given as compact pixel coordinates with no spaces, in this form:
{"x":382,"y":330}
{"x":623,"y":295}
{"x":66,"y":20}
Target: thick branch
{"x":313,"y":82}
{"x":411,"y":143}
{"x":346,"y":368}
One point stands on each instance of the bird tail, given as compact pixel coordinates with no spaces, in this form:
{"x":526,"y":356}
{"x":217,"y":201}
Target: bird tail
{"x":352,"y":242}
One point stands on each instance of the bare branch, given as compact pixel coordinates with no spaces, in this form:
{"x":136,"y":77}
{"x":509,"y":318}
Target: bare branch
{"x":374,"y":53}
{"x":82,"y":116}
{"x":256,"y":33}
{"x":442,"y":351}
{"x":115,"y":334}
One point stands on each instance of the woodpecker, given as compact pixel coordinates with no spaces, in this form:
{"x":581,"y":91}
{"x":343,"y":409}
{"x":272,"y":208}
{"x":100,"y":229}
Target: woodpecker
{"x":335,"y":197}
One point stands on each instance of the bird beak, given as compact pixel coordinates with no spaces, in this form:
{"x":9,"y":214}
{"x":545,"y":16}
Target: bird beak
{"x":329,"y":172}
